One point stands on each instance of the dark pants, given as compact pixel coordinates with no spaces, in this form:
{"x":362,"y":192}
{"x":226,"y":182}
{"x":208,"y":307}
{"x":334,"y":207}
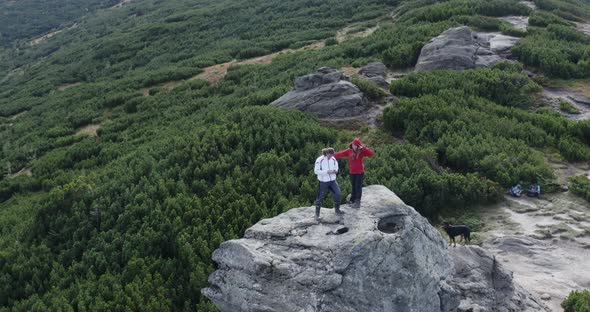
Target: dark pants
{"x":323,"y":189}
{"x":357,"y":187}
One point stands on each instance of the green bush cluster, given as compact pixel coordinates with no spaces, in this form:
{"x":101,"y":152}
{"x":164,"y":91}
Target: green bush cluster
{"x":440,"y":11}
{"x":474,"y":120}
{"x":580,"y":185}
{"x":577,"y":301}
{"x":369,"y":88}
{"x":564,"y":52}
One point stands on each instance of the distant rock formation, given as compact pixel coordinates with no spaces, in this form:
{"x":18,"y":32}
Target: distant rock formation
{"x":375,"y":72}
{"x":326,"y":94}
{"x":460,"y":48}
{"x":383,"y":257}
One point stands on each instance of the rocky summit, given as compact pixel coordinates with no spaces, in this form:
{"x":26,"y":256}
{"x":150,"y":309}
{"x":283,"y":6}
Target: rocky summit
{"x":383,"y":257}
{"x":326,"y":94}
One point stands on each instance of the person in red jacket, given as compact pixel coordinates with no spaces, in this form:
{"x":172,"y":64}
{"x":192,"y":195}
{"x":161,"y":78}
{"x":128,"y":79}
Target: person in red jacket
{"x":355,"y":153}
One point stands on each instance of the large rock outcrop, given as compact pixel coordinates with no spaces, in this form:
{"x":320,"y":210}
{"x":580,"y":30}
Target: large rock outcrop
{"x":383,"y":257}
{"x":460,"y":48}
{"x":326,"y":94}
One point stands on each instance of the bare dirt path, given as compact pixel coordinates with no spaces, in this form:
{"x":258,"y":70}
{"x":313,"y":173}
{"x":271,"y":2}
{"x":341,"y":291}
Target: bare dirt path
{"x":23,"y":172}
{"x":217,"y":72}
{"x":349,"y":32}
{"x":51,"y":34}
{"x":583,"y":27}
{"x":67,"y":86}
{"x":90,"y":130}
{"x":121,"y":4}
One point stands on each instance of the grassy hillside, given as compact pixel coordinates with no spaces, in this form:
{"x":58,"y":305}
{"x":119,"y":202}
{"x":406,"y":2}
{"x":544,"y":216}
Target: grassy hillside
{"x":129,"y":194}
{"x":24,"y":19}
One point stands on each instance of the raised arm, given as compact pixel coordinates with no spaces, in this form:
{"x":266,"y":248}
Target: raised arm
{"x":342,"y":154}
{"x":367,"y":152}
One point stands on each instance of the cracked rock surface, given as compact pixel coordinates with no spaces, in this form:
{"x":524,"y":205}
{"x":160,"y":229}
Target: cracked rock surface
{"x":460,"y":48}
{"x":387,"y":258}
{"x":326,"y":94}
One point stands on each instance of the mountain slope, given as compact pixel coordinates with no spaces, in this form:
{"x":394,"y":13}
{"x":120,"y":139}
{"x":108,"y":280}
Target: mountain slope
{"x":128,"y":216}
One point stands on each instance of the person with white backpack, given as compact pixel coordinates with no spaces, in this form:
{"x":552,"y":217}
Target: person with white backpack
{"x":326,"y":168}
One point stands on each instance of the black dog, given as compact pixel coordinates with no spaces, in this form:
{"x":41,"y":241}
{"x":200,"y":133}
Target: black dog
{"x":456,"y":230}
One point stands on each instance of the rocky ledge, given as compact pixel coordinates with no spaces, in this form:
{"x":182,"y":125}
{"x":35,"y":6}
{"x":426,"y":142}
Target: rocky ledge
{"x":326,"y":94}
{"x":383,"y":257}
{"x":460,"y":48}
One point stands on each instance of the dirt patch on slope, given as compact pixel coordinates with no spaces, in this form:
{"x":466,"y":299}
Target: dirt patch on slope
{"x":350,"y":32}
{"x":121,"y":4}
{"x":214,"y":73}
{"x":583,"y":27}
{"x":45,"y":37}
{"x":14,"y":117}
{"x":90,"y":130}
{"x":23,"y":172}
{"x":67,"y":86}
{"x":50,"y":35}
{"x":217,"y":72}
{"x":350,"y":71}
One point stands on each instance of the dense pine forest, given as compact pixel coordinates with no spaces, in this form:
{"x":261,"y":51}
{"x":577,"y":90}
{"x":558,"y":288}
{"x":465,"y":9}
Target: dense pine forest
{"x":121,"y":174}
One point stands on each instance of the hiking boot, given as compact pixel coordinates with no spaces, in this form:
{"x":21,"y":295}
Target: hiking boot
{"x":338,"y":211}
{"x":317,"y":213}
{"x":317,"y":218}
{"x":356,"y":204}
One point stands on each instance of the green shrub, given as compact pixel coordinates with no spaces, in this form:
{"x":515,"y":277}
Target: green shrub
{"x":580,"y":185}
{"x":369,"y":88}
{"x":484,"y":23}
{"x":503,"y":84}
{"x":573,"y":150}
{"x":251,"y":52}
{"x":544,"y":19}
{"x":564,"y":51}
{"x":509,"y":30}
{"x":571,"y":7}
{"x":331,"y":41}
{"x":567,"y":107}
{"x":577,"y":301}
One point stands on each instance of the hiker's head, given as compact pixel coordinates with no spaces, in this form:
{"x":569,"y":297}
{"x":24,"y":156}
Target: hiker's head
{"x":355,"y":144}
{"x":328,"y":152}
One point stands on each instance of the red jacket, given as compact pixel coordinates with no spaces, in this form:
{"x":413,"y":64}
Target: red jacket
{"x":355,"y":160}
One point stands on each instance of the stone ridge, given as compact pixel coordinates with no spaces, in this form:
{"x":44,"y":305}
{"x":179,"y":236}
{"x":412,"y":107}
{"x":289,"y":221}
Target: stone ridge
{"x":387,"y":258}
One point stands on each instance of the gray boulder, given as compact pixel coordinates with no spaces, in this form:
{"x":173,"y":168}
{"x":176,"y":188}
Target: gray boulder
{"x":460,"y":48}
{"x":325,"y":94}
{"x":375,"y":69}
{"x":375,"y":72}
{"x":383,"y":257}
